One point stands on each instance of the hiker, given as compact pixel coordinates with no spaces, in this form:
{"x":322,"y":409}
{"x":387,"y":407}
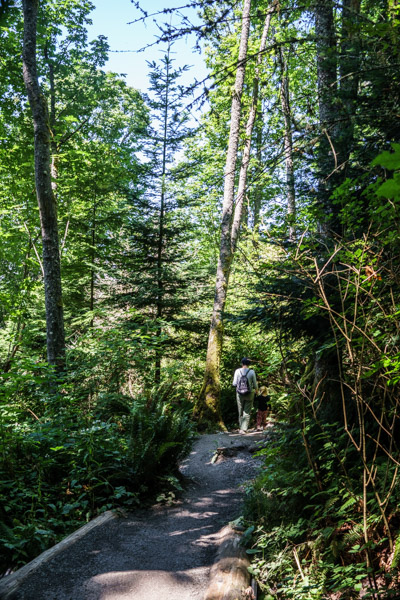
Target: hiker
{"x":245,"y":383}
{"x":263,"y":408}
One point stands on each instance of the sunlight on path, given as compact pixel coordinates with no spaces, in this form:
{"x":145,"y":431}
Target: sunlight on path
{"x":148,"y":585}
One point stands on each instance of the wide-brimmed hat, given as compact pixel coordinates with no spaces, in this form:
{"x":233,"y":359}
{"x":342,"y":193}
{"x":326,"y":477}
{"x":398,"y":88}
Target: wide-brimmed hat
{"x":263,"y":390}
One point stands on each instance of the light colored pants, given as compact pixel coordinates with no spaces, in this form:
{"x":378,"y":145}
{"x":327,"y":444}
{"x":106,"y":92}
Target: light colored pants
{"x":245,"y":404}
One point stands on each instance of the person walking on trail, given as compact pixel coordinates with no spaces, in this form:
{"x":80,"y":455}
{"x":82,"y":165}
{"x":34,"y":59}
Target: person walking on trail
{"x":263,"y":408}
{"x":245,"y":382}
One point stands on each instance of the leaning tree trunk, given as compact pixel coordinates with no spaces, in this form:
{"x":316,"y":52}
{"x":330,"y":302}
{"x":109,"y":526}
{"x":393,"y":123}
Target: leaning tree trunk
{"x":44,"y":191}
{"x":211,"y":387}
{"x":288,"y":141}
{"x":208,"y":406}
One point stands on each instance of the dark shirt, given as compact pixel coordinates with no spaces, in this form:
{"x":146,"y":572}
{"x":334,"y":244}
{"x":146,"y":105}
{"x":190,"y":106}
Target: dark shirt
{"x":262,"y":402}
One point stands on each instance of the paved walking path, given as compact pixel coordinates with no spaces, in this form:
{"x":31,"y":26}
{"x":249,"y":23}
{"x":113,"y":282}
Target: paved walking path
{"x":162,"y":553}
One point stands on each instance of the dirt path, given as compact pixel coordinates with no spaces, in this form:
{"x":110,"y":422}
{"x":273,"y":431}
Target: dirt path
{"x":164,"y":553}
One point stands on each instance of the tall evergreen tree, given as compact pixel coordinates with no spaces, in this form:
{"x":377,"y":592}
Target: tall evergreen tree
{"x":157,"y":274}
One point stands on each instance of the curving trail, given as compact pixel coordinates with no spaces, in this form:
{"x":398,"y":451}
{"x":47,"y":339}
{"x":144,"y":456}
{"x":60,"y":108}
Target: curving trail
{"x":162,"y":553}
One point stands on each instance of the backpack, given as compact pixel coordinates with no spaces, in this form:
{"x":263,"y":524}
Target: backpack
{"x":243,"y":385}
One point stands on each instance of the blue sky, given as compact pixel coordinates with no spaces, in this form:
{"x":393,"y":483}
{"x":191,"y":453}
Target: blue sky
{"x":111,"y":18}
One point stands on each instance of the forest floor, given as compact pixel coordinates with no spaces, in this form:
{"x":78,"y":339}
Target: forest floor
{"x":161,"y":551}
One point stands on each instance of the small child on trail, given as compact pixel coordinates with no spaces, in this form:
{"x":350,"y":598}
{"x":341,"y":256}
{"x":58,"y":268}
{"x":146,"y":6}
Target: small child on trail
{"x":263,"y":407}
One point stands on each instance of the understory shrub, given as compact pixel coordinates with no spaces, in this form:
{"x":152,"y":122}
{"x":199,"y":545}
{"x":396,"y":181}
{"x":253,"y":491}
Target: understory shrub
{"x":61,"y":465}
{"x":310,"y":540}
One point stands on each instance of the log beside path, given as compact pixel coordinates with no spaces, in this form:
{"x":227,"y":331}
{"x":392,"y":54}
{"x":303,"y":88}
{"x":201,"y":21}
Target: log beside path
{"x":164,"y":552}
{"x":9,"y":585}
{"x":229,"y":576}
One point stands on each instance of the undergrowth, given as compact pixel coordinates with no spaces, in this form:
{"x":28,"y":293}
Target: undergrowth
{"x":309,"y":541}
{"x":62,"y":462}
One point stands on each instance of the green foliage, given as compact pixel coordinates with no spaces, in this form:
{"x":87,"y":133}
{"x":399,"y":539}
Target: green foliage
{"x":308,"y":540}
{"x":318,"y":316}
{"x":99,"y":435}
{"x":322,"y":527}
{"x":61,"y":463}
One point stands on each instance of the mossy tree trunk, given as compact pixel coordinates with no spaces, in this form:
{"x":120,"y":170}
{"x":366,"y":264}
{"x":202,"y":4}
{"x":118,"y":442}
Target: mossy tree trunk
{"x":349,"y":76}
{"x":327,"y":368}
{"x":337,"y":78}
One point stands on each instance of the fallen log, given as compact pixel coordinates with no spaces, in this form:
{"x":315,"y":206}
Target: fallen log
{"x":228,"y":451}
{"x":229,"y":576}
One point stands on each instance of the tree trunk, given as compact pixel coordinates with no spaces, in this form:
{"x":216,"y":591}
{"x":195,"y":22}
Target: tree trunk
{"x":327,"y":105}
{"x":93,"y":258}
{"x":208,"y":405}
{"x":258,"y":189}
{"x":327,"y":362}
{"x":44,"y":192}
{"x":52,"y":122}
{"x":229,"y":575}
{"x":349,"y":67}
{"x":336,"y":110}
{"x":288,"y":141}
{"x":237,"y":218}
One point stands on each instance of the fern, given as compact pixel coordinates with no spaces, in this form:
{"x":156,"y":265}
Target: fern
{"x":354,"y":535}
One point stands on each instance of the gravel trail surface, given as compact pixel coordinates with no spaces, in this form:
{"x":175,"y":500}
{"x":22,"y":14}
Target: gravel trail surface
{"x":161,"y":553}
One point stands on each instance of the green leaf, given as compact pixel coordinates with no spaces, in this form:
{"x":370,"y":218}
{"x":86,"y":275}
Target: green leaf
{"x":389,"y":189}
{"x":389,"y":160}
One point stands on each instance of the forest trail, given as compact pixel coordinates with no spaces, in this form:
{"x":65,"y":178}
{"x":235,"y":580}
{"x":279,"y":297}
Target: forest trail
{"x":157,"y":553}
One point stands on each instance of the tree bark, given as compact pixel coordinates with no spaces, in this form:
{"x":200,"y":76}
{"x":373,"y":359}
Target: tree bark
{"x":244,"y":167}
{"x":349,"y":66}
{"x":288,"y":142}
{"x":52,"y":123}
{"x":327,"y":105}
{"x":229,"y":576}
{"x":328,"y":361}
{"x":258,"y":189}
{"x":208,"y":404}
{"x":44,"y":192}
{"x":93,"y":258}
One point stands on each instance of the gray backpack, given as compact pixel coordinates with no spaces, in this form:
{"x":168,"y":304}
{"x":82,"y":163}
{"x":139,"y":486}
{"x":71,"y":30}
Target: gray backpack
{"x":243,"y":384}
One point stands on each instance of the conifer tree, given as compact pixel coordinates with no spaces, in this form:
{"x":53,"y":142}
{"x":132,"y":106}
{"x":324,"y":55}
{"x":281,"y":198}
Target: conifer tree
{"x":157,"y":274}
